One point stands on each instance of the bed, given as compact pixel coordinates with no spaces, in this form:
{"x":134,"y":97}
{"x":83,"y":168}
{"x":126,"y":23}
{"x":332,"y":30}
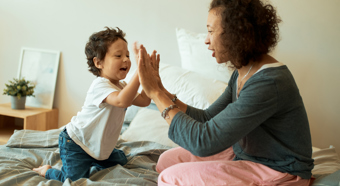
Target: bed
{"x":144,"y":135}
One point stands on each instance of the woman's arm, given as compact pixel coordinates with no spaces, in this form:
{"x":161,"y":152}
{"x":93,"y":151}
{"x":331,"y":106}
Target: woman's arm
{"x":148,"y":69}
{"x":182,"y":106}
{"x":254,"y":106}
{"x":220,"y":104}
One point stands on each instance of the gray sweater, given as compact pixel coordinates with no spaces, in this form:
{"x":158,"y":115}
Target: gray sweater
{"x":267,"y":124}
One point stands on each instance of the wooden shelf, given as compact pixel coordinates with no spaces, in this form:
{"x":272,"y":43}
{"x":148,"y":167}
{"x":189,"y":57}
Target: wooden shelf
{"x":30,"y":118}
{"x":6,"y":133}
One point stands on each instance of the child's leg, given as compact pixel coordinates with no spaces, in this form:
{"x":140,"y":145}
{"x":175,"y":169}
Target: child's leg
{"x":116,"y":157}
{"x":226,"y":173}
{"x":180,"y":155}
{"x":76,"y":162}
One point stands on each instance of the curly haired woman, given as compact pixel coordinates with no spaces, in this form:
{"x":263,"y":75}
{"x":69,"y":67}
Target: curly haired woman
{"x":257,"y":132}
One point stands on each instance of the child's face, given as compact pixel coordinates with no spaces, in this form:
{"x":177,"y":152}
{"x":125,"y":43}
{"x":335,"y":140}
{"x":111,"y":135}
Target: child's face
{"x":116,"y":63}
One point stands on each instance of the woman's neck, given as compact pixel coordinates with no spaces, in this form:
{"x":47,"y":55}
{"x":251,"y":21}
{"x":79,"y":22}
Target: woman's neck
{"x":255,"y":65}
{"x":250,"y":69}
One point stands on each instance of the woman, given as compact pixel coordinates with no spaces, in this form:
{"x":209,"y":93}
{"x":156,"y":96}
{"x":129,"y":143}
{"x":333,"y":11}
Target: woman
{"x":257,"y":131}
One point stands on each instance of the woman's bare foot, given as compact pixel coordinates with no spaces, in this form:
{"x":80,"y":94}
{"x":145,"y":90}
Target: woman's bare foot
{"x":42,"y":170}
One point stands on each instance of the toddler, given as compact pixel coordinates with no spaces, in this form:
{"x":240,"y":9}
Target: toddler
{"x":90,"y":137}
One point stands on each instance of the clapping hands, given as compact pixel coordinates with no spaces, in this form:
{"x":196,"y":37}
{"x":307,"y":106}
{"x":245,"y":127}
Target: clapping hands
{"x":148,"y":70}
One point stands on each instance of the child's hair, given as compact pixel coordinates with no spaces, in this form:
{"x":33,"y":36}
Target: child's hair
{"x":98,"y":44}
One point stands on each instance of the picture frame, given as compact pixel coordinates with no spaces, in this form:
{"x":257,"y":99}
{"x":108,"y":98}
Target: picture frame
{"x":41,"y":68}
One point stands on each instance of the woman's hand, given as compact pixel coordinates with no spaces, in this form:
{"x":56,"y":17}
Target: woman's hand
{"x":148,"y":70}
{"x":155,"y":59}
{"x":148,"y":67}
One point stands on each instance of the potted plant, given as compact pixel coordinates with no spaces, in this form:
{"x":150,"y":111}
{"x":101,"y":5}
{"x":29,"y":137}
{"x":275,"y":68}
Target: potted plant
{"x":18,"y":89}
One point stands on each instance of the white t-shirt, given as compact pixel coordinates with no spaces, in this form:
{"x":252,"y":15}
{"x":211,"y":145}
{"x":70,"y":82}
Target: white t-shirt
{"x":97,"y":126}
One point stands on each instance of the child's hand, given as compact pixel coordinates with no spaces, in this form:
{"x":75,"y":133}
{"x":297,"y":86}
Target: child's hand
{"x":136,"y":47}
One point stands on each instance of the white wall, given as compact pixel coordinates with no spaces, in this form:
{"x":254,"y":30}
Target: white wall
{"x":66,"y":25}
{"x":309,"y":45}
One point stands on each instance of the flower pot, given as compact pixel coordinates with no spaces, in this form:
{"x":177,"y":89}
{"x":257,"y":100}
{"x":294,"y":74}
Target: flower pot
{"x":17,"y":103}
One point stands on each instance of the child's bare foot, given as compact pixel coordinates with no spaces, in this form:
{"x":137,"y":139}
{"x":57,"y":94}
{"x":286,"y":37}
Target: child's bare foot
{"x":42,"y":170}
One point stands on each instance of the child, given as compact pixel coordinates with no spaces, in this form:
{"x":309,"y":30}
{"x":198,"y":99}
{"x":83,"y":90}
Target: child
{"x":90,"y":138}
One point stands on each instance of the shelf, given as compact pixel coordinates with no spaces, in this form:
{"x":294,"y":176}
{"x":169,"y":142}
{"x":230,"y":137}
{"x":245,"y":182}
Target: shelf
{"x":6,"y":133}
{"x":5,"y":109}
{"x":30,"y":118}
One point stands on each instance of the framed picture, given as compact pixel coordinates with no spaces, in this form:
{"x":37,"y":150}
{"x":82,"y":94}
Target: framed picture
{"x":41,"y":68}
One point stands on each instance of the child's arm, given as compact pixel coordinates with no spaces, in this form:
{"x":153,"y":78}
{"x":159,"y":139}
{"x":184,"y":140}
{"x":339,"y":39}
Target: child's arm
{"x":125,"y":97}
{"x":142,"y":100}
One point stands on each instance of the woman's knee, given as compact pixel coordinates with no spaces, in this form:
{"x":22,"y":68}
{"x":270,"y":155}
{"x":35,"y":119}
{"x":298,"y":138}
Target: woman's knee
{"x":169,"y":176}
{"x":169,"y":158}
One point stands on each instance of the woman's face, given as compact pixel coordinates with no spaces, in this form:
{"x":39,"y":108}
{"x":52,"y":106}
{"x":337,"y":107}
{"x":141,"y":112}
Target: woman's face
{"x":214,"y":34}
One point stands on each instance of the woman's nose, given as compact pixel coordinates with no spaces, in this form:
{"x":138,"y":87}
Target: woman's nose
{"x":207,"y":40}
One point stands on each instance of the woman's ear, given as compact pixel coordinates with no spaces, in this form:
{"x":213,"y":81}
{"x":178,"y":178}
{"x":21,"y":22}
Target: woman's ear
{"x":97,"y":62}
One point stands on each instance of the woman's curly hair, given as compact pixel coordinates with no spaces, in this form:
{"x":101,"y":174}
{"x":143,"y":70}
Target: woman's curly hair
{"x":250,"y":29}
{"x":98,"y":44}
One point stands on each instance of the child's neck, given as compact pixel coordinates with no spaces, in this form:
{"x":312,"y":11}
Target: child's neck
{"x":115,"y":82}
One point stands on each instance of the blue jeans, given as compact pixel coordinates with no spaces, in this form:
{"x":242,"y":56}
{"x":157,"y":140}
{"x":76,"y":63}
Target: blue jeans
{"x":77,"y":163}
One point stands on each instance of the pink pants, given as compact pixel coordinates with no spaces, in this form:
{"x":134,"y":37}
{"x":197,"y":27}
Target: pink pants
{"x":178,"y":166}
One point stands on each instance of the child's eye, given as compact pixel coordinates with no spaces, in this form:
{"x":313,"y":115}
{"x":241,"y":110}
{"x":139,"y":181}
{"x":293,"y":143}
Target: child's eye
{"x":118,"y":55}
{"x":128,"y":56}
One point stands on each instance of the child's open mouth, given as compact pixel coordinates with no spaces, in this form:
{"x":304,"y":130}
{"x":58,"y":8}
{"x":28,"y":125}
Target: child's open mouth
{"x":123,"y":69}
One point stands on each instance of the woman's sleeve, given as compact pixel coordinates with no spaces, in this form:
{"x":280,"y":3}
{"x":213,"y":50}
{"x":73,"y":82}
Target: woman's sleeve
{"x":220,"y":104}
{"x":205,"y":115}
{"x":256,"y":103}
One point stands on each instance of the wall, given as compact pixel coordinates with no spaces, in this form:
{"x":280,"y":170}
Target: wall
{"x":66,"y":26}
{"x":309,"y":45}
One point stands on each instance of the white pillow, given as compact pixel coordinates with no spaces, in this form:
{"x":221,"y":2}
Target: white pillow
{"x":326,"y":161}
{"x":148,"y":125}
{"x":190,"y":87}
{"x":196,"y":57}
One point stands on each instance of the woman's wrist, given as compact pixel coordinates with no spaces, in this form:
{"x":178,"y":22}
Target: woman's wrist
{"x":174,"y":98}
{"x":155,"y":93}
{"x":167,"y":92}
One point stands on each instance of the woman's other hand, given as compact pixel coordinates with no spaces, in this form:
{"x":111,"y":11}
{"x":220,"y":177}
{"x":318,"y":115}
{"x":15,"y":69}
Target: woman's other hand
{"x":155,"y":59}
{"x":148,"y":67}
